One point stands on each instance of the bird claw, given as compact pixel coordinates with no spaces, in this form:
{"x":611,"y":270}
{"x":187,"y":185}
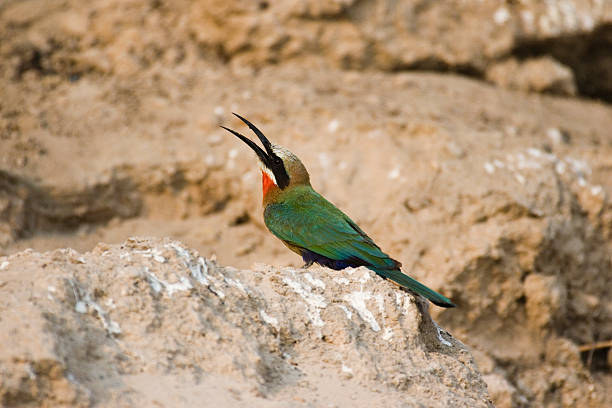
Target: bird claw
{"x":307,"y":265}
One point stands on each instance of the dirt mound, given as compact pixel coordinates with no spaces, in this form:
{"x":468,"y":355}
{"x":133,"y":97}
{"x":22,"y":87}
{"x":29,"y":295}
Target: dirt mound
{"x":122,"y":324}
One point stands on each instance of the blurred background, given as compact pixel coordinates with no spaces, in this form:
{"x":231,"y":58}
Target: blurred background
{"x":471,"y":139}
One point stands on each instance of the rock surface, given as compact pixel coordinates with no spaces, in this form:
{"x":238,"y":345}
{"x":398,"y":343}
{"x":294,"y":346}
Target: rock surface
{"x":543,"y":75}
{"x":121,"y":38}
{"x":149,"y":323}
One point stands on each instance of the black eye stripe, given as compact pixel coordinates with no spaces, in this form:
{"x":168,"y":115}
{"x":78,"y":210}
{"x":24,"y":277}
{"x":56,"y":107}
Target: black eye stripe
{"x":280,"y":172}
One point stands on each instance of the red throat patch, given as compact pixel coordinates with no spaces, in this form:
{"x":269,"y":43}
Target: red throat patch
{"x":266,"y":182}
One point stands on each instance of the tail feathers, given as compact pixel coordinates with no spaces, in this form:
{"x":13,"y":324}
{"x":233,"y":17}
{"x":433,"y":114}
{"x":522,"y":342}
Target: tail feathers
{"x":407,"y":282}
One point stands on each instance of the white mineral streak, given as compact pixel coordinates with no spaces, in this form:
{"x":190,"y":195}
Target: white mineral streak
{"x":358,"y":301}
{"x":154,"y":253}
{"x":83,"y":303}
{"x":342,"y":281}
{"x":272,"y":321}
{"x":347,"y":312}
{"x":519,"y":165}
{"x":237,"y":284}
{"x":158,"y":284}
{"x":365,"y":277}
{"x":314,"y":301}
{"x":442,"y":339}
{"x":314,"y":282}
{"x":387,"y":334}
{"x":217,"y":292}
{"x":402,"y":300}
{"x":200,"y":272}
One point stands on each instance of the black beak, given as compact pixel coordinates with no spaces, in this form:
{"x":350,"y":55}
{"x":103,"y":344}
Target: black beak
{"x":268,"y":157}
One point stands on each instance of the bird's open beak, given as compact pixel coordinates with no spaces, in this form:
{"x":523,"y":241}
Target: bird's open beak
{"x":267,"y":156}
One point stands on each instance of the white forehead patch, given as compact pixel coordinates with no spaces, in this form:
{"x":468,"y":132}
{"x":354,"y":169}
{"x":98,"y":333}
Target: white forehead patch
{"x":283,"y":153}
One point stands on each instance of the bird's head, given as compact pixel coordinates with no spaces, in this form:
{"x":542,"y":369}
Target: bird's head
{"x":280,"y":168}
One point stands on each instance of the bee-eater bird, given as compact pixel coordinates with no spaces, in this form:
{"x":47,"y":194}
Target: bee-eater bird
{"x":313,"y":227}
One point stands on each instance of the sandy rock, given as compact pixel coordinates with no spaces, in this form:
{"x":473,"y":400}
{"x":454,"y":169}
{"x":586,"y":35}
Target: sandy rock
{"x":114,"y":325}
{"x":545,"y":296}
{"x":451,"y":35}
{"x":502,"y":392}
{"x":25,"y":12}
{"x":485,"y":363}
{"x":543,"y":75}
{"x":564,"y":371}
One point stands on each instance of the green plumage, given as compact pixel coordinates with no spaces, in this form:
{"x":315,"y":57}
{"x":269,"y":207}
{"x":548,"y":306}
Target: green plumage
{"x":315,"y":228}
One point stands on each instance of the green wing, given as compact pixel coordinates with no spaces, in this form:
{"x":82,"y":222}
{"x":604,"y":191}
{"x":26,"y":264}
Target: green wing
{"x":307,"y":220}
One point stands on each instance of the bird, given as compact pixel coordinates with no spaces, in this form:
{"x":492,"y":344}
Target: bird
{"x":313,"y":227}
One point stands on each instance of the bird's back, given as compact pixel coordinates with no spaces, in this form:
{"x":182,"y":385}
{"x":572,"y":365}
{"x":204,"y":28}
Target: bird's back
{"x":307,"y":222}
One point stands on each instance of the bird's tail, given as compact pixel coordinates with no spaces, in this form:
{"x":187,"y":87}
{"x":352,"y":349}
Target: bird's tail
{"x":407,"y":282}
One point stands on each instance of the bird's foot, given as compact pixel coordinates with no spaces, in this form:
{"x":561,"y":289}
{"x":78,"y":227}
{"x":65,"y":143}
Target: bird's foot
{"x":307,"y":265}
